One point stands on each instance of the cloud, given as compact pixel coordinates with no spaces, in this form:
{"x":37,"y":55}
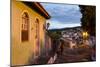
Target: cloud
{"x":58,"y":25}
{"x":63,"y":14}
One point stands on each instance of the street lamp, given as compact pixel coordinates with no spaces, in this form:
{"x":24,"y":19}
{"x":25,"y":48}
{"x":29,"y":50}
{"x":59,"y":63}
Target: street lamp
{"x":48,"y":24}
{"x":85,"y":38}
{"x":85,"y":35}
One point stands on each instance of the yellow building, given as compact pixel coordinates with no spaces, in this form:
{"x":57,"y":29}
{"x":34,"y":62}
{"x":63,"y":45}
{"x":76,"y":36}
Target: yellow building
{"x":27,"y":31}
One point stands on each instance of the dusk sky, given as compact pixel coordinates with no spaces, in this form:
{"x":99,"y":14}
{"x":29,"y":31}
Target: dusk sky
{"x":62,"y":15}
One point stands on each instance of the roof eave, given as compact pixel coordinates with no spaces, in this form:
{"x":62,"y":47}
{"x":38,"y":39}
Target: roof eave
{"x":38,"y":8}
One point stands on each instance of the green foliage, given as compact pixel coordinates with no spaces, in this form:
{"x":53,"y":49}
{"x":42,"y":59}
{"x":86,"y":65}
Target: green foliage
{"x":54,"y":34}
{"x":88,"y":18}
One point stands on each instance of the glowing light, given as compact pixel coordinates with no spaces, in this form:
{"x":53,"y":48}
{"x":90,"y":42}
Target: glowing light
{"x":85,"y":35}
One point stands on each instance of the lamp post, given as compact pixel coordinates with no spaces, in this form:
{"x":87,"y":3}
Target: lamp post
{"x":48,"y":24}
{"x":85,"y":37}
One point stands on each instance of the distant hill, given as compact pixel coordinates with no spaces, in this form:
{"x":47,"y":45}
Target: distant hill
{"x":62,"y":29}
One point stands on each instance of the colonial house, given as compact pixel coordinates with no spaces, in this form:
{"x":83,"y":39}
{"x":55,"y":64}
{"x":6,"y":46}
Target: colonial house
{"x":28,"y":31}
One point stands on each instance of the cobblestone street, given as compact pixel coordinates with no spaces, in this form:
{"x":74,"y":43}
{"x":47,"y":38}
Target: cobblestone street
{"x":75,"y":55}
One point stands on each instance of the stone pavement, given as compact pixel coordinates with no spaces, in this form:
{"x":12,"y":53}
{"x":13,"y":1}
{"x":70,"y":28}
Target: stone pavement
{"x":74,"y":55}
{"x":43,"y":59}
{"x":67,"y":56}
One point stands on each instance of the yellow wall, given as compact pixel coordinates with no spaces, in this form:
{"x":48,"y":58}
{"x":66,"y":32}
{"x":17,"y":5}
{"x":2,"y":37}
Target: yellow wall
{"x":22,"y":51}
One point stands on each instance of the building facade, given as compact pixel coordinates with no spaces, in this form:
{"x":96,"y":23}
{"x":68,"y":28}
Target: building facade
{"x":28,"y":25}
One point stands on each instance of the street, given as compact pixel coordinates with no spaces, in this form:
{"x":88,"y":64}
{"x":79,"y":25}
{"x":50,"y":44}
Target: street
{"x":73,"y":55}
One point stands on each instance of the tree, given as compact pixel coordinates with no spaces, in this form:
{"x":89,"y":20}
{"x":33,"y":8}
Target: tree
{"x":88,"y":20}
{"x":54,"y":34}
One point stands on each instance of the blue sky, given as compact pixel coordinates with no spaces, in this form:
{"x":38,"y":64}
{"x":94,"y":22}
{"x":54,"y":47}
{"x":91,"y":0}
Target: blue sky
{"x":62,"y":15}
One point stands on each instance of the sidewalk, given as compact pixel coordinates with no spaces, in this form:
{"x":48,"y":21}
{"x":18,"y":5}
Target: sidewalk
{"x":43,"y":59}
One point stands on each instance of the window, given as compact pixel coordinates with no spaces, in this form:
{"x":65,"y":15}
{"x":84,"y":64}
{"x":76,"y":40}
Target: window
{"x":37,"y":36}
{"x":37,"y":28}
{"x":25,"y":27}
{"x":44,"y":27}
